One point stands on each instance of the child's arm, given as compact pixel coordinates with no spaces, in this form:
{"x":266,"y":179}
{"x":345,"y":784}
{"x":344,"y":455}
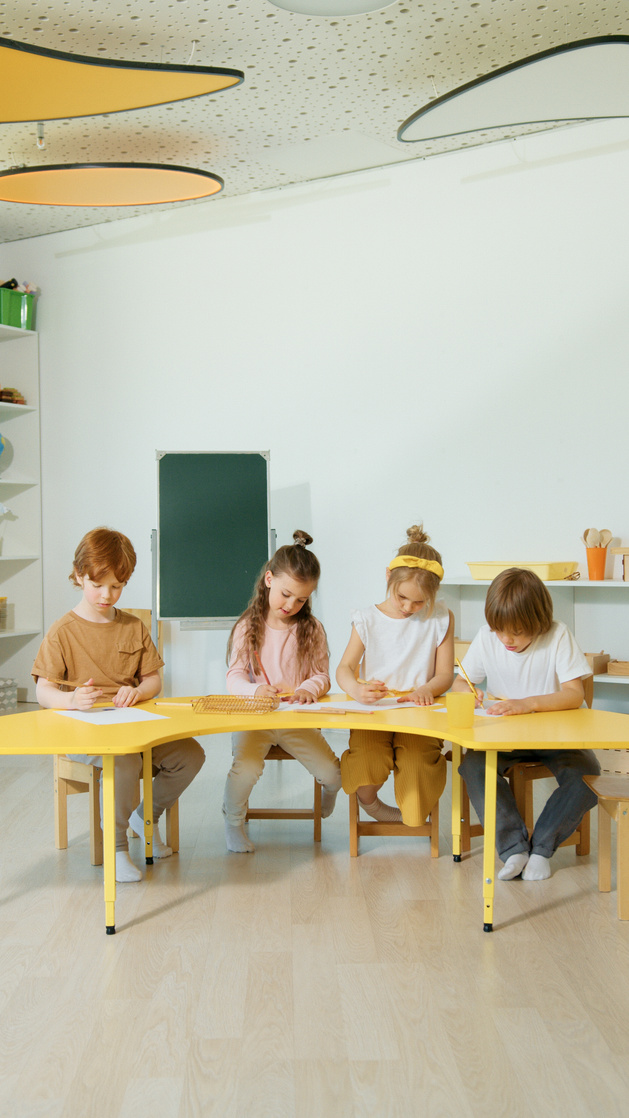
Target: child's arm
{"x":347,"y":672}
{"x":317,"y":684}
{"x":51,"y":697}
{"x":148,"y":686}
{"x":569,"y":697}
{"x":444,"y":672}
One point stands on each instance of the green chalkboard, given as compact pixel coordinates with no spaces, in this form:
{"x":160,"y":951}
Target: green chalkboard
{"x":213,"y":534}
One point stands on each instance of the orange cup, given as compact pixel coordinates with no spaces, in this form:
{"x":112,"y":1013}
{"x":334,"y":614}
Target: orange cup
{"x":596,"y":557}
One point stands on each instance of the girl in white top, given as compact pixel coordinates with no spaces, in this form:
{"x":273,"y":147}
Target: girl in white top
{"x":278,"y":637}
{"x":405,"y":644}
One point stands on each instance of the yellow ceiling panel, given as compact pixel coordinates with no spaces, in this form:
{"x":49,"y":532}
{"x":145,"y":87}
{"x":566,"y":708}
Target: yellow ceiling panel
{"x":41,"y":84}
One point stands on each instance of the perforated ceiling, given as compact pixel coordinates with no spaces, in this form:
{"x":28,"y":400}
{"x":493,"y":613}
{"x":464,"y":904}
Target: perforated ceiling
{"x":321,"y":96}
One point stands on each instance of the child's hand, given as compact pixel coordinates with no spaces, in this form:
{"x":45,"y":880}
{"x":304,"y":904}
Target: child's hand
{"x":372,"y":691}
{"x":84,"y":697}
{"x":422,"y":696}
{"x":126,"y":697}
{"x":265,"y":691}
{"x":480,"y":695}
{"x":512,"y":706}
{"x":301,"y":696}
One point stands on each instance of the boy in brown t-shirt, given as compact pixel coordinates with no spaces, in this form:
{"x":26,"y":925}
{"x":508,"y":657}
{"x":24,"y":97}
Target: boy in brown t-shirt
{"x":113,"y":652}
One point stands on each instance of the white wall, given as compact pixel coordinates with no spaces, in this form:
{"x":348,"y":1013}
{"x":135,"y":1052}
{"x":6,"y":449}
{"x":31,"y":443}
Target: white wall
{"x":442,"y":340}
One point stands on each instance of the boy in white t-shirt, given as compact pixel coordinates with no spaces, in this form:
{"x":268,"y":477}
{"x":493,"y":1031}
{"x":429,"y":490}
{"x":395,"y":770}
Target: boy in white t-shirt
{"x":533,"y":664}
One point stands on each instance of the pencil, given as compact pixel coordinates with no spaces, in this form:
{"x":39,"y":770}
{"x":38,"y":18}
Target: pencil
{"x":65,"y":683}
{"x":257,"y":656}
{"x":467,"y":679}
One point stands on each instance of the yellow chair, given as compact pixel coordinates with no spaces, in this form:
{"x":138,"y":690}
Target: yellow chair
{"x":75,"y":777}
{"x":521,"y":775}
{"x":276,"y":753}
{"x":613,"y":803}
{"x":358,"y":827}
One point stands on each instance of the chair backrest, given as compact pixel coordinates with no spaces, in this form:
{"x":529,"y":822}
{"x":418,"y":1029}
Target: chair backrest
{"x":145,"y":616}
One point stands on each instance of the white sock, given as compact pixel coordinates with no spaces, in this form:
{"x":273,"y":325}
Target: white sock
{"x":382,"y":812}
{"x":125,"y":869}
{"x":237,"y":839}
{"x":537,"y":869}
{"x":160,"y":850}
{"x":328,"y":800}
{"x":513,"y":866}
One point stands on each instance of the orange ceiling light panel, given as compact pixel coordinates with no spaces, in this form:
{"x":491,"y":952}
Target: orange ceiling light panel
{"x":42,"y":84}
{"x":106,"y":184}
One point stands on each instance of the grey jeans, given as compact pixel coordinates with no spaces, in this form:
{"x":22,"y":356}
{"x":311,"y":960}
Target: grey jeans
{"x":563,"y":811}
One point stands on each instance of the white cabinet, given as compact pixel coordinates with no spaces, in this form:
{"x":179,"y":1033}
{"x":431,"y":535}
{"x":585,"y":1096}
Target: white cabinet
{"x":20,"y":525}
{"x":596,"y":612}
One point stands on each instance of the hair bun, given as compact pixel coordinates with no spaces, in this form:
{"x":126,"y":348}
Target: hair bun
{"x":302,"y":539}
{"x":416,"y":534}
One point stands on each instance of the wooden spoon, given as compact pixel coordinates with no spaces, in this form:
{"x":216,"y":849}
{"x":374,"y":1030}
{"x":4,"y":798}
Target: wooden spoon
{"x":605,"y":537}
{"x":593,"y":538}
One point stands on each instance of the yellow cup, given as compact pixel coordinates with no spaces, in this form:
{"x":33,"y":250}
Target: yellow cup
{"x":460,"y":707}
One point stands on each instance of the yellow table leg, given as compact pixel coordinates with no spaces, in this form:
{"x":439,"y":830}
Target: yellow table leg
{"x":147,"y":781}
{"x":456,"y":802}
{"x":109,"y":842}
{"x":489,"y":840}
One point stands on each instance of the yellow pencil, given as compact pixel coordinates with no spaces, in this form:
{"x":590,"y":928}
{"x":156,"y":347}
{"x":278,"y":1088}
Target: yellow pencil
{"x":467,"y":679}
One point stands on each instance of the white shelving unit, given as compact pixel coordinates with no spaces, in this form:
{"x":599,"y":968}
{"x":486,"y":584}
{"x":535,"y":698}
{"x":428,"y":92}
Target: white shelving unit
{"x":20,"y":528}
{"x":596,"y":612}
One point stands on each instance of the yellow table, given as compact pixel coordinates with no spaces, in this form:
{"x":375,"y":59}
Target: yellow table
{"x":47,"y":732}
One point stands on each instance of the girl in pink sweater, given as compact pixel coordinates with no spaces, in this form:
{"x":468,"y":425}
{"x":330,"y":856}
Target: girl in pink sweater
{"x":278,"y":633}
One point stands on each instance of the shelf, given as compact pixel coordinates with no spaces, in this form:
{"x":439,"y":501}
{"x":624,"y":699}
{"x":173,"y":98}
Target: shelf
{"x":24,"y":482}
{"x":4,"y":633}
{"x":9,"y":411}
{"x":14,"y":333}
{"x":556,"y":583}
{"x":18,"y":558}
{"x":605,"y":678}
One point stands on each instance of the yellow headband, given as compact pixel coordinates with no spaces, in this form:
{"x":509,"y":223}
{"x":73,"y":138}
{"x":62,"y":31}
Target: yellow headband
{"x":412,"y":561}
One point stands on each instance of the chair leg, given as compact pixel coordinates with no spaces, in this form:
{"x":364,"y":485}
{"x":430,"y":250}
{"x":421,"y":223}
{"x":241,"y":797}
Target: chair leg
{"x":583,"y":831}
{"x":604,"y":850}
{"x":353,"y":825}
{"x":172,"y":827}
{"x":96,"y":831}
{"x":622,"y":860}
{"x":61,"y":808}
{"x":434,"y":831}
{"x":317,"y":811}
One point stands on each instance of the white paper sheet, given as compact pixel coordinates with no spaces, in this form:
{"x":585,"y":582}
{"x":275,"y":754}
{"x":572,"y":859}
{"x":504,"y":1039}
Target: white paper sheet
{"x":110,"y":716}
{"x":353,"y":706}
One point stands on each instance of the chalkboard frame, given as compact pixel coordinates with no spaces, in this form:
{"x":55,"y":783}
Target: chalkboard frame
{"x":190,"y":537}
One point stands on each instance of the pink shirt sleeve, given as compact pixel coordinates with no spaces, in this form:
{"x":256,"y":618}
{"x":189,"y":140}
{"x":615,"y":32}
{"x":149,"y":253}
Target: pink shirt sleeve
{"x":240,"y":678}
{"x":319,"y":682}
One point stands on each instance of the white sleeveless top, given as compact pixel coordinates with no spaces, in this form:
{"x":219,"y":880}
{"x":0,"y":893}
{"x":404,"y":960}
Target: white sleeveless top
{"x":401,"y":651}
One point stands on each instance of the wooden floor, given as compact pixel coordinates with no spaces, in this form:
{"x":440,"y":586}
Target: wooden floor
{"x":295,"y":981}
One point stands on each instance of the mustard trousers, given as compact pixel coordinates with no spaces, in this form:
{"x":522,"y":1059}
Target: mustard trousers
{"x":417,"y":763}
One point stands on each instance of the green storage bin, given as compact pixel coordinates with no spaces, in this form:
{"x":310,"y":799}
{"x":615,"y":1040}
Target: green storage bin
{"x":16,"y":308}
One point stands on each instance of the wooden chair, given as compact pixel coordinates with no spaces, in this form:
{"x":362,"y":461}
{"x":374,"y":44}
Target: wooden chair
{"x":72,"y":777}
{"x":75,"y":777}
{"x":276,"y":753}
{"x":358,"y":827}
{"x":613,"y":803}
{"x":521,"y":776}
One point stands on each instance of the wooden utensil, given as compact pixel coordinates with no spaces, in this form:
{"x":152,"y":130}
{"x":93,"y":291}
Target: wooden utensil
{"x":605,"y":537}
